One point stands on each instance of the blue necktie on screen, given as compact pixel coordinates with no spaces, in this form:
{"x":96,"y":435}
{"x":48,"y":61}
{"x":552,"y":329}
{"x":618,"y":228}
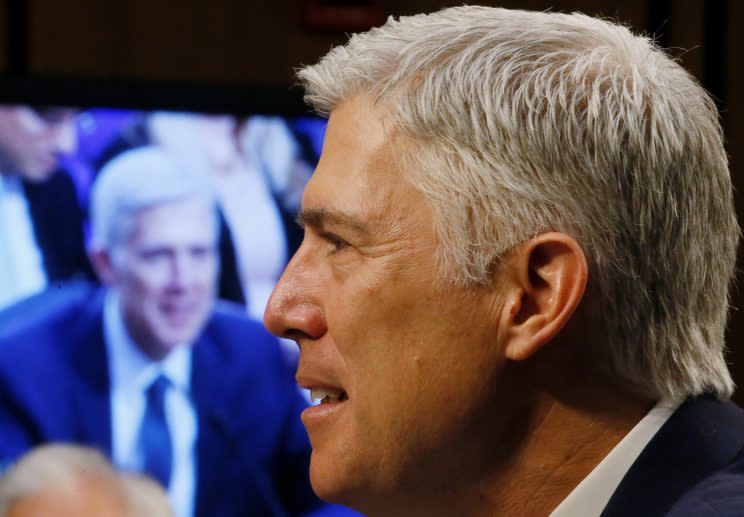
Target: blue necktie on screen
{"x":154,"y":439}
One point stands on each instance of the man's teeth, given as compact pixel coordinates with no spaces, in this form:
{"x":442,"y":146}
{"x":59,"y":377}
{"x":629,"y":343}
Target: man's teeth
{"x":325,"y":395}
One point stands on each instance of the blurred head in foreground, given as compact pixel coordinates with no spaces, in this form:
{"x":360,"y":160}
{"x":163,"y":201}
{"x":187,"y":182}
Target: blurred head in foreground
{"x":74,"y":481}
{"x":521,"y":230}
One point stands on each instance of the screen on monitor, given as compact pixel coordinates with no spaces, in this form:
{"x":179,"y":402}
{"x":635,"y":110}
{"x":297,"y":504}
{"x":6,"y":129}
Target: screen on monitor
{"x":102,"y":184}
{"x":257,"y":148}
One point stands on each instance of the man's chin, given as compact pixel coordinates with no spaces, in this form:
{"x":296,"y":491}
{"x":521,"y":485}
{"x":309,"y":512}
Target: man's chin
{"x":175,"y":339}
{"x":37,"y":175}
{"x":332,"y":483}
{"x":175,"y":332}
{"x":171,"y":340}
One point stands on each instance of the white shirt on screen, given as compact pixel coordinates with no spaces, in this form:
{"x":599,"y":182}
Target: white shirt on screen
{"x":21,"y":263}
{"x":131,"y":373}
{"x":258,"y":235}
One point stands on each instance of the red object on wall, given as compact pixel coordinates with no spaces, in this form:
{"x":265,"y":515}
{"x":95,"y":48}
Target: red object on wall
{"x":342,"y":15}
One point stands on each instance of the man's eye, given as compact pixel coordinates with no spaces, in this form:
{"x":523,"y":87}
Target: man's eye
{"x":153,"y":255}
{"x":337,"y":242}
{"x":202,"y":253}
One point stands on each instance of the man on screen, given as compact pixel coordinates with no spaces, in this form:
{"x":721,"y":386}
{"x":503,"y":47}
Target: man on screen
{"x":40,"y":221}
{"x":150,"y":370}
{"x":513,"y":286}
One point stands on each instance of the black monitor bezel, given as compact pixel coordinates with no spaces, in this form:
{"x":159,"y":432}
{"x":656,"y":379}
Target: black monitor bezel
{"x":144,"y":94}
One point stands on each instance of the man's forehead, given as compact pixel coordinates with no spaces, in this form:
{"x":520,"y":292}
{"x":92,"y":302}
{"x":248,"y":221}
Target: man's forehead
{"x":186,"y":219}
{"x":360,"y":122}
{"x":356,"y":175}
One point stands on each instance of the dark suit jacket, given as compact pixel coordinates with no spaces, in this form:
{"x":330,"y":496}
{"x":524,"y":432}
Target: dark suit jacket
{"x":694,"y":466}
{"x":58,"y":227}
{"x":252,"y":453}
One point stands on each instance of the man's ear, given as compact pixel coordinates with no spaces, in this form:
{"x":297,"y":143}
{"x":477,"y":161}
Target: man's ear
{"x":103,"y":265}
{"x":547,"y":277}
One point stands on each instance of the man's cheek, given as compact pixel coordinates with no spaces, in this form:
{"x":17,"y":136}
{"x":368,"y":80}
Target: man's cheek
{"x":146,"y":284}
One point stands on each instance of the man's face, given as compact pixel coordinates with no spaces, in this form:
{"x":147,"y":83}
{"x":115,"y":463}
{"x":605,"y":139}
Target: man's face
{"x":165,"y":273}
{"x":31,"y":140}
{"x":412,"y":357}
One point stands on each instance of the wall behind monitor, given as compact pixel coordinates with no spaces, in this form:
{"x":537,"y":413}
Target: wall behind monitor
{"x":221,"y":40}
{"x":3,"y":36}
{"x":262,"y":42}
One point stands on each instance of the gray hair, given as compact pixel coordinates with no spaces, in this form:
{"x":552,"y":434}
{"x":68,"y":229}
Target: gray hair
{"x":136,"y":180}
{"x":64,"y":467}
{"x":518,"y":123}
{"x":146,"y":496}
{"x":58,"y":466}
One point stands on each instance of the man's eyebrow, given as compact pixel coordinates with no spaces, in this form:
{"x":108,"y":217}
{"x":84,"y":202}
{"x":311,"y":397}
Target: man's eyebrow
{"x":320,"y":217}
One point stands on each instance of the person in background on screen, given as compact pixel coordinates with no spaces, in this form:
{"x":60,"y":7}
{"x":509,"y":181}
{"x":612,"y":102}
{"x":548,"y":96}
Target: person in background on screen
{"x":150,"y":369}
{"x":247,"y":165}
{"x":513,"y":288}
{"x":63,"y":480}
{"x":258,"y":173}
{"x":258,"y":165}
{"x":41,"y":225}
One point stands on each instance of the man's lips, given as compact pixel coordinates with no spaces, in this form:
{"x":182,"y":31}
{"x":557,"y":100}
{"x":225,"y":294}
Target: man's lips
{"x":320,"y":383}
{"x":332,"y":399}
{"x":320,"y":417}
{"x":179,"y":314}
{"x":327,"y":396}
{"x":324,"y":392}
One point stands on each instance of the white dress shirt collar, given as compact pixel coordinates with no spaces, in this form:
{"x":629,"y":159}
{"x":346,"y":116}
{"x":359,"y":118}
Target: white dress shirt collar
{"x":590,"y":497}
{"x":131,"y":373}
{"x":22,"y":270}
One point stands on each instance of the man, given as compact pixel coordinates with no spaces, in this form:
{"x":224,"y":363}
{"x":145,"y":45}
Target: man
{"x":150,"y":371}
{"x":259,"y":168}
{"x":512,"y":291}
{"x":68,"y":480}
{"x":40,"y":220}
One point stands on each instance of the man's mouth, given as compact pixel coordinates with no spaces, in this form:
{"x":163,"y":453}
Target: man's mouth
{"x":179,"y":309}
{"x":327,"y":396}
{"x":318,"y":416}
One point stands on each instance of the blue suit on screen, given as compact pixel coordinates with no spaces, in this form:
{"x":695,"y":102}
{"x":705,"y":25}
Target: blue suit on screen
{"x":252,"y":452}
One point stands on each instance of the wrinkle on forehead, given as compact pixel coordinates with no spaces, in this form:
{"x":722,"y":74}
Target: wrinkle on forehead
{"x":358,"y":178}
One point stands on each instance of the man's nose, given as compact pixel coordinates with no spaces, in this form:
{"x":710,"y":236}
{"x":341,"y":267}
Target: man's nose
{"x":294,"y":310}
{"x":181,"y":271}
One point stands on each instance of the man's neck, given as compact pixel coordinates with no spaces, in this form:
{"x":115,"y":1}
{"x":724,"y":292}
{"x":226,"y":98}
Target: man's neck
{"x":564,"y":442}
{"x":563,"y":449}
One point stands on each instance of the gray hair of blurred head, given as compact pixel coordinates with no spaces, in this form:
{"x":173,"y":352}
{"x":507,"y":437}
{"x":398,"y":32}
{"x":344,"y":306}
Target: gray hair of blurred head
{"x":138,"y":179}
{"x":63,"y":467}
{"x":57,"y":466}
{"x":145,"y":496}
{"x":515,"y":123}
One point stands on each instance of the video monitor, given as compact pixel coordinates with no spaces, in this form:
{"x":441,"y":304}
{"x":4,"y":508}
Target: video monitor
{"x":153,"y":353}
{"x":257,"y":147}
